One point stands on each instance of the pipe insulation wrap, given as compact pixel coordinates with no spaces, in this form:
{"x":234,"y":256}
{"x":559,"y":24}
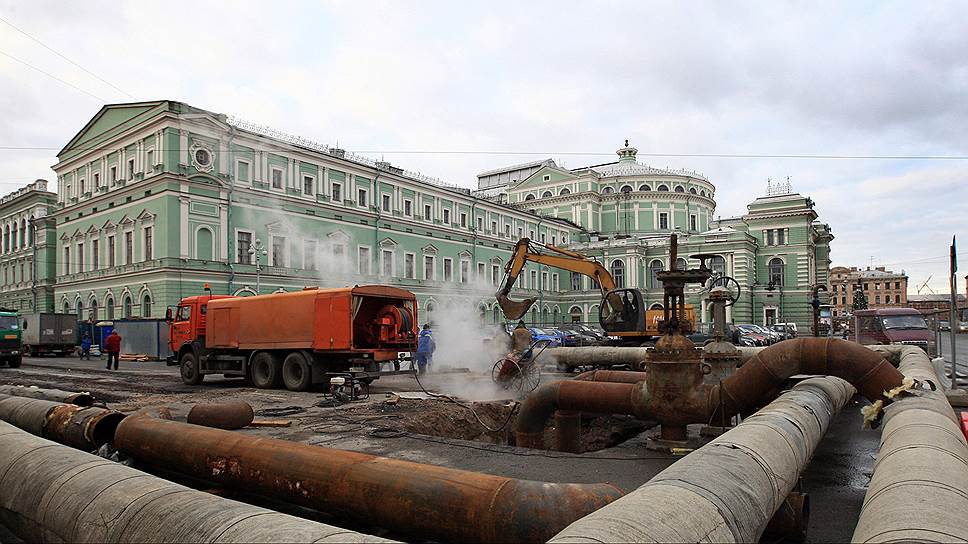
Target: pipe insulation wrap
{"x":728,"y":490}
{"x":56,"y":395}
{"x":54,"y":493}
{"x":919,"y":488}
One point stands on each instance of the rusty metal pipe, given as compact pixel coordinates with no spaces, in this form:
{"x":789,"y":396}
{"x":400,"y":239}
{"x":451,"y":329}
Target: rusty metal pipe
{"x":230,"y":415}
{"x":612,"y":376}
{"x":54,"y":395}
{"x":86,"y":428}
{"x":423,"y":500}
{"x":581,"y":396}
{"x":52,"y":493}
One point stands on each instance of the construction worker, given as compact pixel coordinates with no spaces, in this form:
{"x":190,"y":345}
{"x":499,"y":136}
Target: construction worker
{"x":425,"y":349}
{"x":520,"y":338}
{"x":112,"y":345}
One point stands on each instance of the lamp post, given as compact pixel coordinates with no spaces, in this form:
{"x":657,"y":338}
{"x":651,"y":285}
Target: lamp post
{"x":258,"y":251}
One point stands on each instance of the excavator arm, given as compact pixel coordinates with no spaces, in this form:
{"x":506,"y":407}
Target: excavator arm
{"x":558,"y":258}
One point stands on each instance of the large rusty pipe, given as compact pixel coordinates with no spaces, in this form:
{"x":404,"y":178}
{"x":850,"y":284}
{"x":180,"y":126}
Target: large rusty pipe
{"x":919,"y":489}
{"x":55,"y":395}
{"x":52,"y":493}
{"x":766,"y":371}
{"x":605,"y":356}
{"x":611,"y":376}
{"x":230,"y":415}
{"x":85,"y":428}
{"x":728,"y":490}
{"x":423,"y":500}
{"x":579,"y":396}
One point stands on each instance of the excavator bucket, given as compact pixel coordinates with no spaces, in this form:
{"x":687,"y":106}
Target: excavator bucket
{"x":513,"y":309}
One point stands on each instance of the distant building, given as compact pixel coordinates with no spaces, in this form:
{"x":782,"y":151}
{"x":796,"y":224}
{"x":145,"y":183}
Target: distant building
{"x":883,"y":288}
{"x":27,"y":242}
{"x":940,"y":304}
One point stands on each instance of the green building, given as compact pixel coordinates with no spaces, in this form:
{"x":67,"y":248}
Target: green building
{"x":27,"y":243}
{"x":156,"y":200}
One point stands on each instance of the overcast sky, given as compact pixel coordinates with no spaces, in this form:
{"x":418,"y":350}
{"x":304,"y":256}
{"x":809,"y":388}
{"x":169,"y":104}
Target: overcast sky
{"x":556,"y":78}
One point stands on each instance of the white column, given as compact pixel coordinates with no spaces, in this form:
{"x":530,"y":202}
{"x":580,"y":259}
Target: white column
{"x":322,"y":181}
{"x":183,"y":209}
{"x":223,"y":249}
{"x":327,"y":186}
{"x":291,"y":176}
{"x":183,"y":147}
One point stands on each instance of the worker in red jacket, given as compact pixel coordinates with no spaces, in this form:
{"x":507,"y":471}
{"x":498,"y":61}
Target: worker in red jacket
{"x":112,"y":345}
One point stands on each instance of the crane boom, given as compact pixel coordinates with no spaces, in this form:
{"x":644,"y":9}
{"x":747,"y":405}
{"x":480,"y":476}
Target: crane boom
{"x":558,"y":258}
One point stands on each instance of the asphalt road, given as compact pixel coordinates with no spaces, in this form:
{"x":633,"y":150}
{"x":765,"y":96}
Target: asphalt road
{"x":961,"y":348}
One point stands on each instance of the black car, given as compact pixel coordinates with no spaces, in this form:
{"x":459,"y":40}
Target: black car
{"x":589,"y":335}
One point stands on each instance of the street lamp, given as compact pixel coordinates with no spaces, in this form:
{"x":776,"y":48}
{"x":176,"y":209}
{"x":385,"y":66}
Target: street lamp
{"x":258,"y":251}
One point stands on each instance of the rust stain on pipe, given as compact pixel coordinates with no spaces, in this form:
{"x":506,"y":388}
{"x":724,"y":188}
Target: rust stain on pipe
{"x":598,"y":397}
{"x":612,"y":376}
{"x":85,"y":428}
{"x":422,"y":500}
{"x":229,"y":415}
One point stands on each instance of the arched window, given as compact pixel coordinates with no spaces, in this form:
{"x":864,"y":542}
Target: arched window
{"x":575,"y":313}
{"x":702,"y":193}
{"x":529,"y":197}
{"x":23,"y":233}
{"x":31,"y":233}
{"x":680,"y":189}
{"x":534,"y":316}
{"x":897,"y":299}
{"x":203,"y":244}
{"x":718,"y":265}
{"x":656,"y":306}
{"x":776,"y":271}
{"x":80,"y":310}
{"x":109,"y":309}
{"x":655,"y":267}
{"x":546,"y":194}
{"x":644,"y":188}
{"x":662,"y":188}
{"x":93,"y":311}
{"x":544,"y":317}
{"x":13,"y":238}
{"x":6,"y":238}
{"x":430,"y":309}
{"x":146,"y":306}
{"x":607,"y":191}
{"x":626,"y":188}
{"x":497,"y":314}
{"x":618,"y":272}
{"x":564,"y":192}
{"x":692,"y":190}
{"x":67,"y":307}
{"x":554,"y":315}
{"x":126,"y":309}
{"x":681,"y":264}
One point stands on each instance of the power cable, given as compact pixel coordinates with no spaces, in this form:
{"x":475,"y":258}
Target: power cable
{"x":61,"y":55}
{"x":468,"y":407}
{"x":50,"y":75}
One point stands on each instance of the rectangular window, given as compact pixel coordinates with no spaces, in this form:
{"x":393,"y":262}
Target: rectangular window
{"x":575,"y":281}
{"x":242,"y":171}
{"x":495,"y":274}
{"x":897,"y":285}
{"x":554,"y":241}
{"x":309,"y":255}
{"x":534,"y":279}
{"x":428,"y":212}
{"x":387,"y":263}
{"x":663,"y":220}
{"x":128,"y":247}
{"x":151,"y":159}
{"x":407,"y":208}
{"x":480,"y":224}
{"x":337,"y":192}
{"x":386,"y":203}
{"x":542,"y":237}
{"x":95,"y":254}
{"x":693,"y":223}
{"x":408,"y":266}
{"x":493,"y":227}
{"x":554,"y":282}
{"x":446,"y":216}
{"x":544,"y":281}
{"x":309,"y":185}
{"x":149,"y":254}
{"x":80,"y":257}
{"x":769,"y":237}
{"x":448,"y":269}
{"x":97,"y":179}
{"x":278,"y":251}
{"x":463,"y":220}
{"x":364,"y":262}
{"x":114,"y":174}
{"x":428,"y":267}
{"x":243,"y":243}
{"x":480,"y":271}
{"x":112,"y":252}
{"x":520,"y":233}
{"x":67,"y":260}
{"x":130,"y":169}
{"x":81,"y":185}
{"x":361,"y":197}
{"x":465,"y":271}
{"x":780,"y":237}
{"x":507,"y":230}
{"x":277,"y":178}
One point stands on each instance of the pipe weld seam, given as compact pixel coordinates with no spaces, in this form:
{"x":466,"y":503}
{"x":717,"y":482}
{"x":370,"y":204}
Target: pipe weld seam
{"x":919,"y":446}
{"x":106,"y":523}
{"x":916,"y":483}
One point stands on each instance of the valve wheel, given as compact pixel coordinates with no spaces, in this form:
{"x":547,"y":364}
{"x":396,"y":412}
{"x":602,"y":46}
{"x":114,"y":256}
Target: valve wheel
{"x":732,"y":287}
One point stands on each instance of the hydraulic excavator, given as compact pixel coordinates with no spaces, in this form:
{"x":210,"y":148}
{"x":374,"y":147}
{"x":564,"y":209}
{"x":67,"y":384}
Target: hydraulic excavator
{"x":622,"y":312}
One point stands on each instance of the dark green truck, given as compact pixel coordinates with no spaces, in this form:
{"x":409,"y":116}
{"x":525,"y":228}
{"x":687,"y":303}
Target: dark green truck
{"x":11,"y":350}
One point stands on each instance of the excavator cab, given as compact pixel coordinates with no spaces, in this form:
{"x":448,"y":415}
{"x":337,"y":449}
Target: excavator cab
{"x":622,"y":310}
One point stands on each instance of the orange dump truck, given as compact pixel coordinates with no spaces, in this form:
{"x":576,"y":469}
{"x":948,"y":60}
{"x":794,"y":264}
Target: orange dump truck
{"x":294,"y":339}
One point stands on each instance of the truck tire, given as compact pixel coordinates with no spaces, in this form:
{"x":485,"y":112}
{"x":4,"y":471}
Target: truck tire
{"x":266,"y":370}
{"x":14,"y":362}
{"x":297,"y":374}
{"x":190,"y":373}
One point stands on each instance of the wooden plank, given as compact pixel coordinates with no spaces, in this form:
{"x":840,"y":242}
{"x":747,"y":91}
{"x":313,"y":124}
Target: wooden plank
{"x":270,"y":423}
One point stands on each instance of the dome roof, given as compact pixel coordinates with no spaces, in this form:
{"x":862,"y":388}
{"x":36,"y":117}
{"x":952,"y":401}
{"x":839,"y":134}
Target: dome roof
{"x":628,"y":166}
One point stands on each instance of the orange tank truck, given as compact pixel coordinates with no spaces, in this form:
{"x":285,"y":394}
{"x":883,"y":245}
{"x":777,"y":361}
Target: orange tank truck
{"x":294,"y":339}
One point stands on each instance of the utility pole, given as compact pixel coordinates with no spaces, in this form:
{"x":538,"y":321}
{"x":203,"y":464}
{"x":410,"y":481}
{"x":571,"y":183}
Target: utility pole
{"x":953,"y":319}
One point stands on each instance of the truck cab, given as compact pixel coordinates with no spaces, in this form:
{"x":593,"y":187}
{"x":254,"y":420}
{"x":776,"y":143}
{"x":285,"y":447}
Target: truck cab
{"x":11,"y":351}
{"x":893,"y":326}
{"x":187,"y":324}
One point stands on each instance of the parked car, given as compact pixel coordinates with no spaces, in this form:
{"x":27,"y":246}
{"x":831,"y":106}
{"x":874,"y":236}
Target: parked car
{"x":944,"y":326}
{"x":540,"y":334}
{"x":963,"y":326}
{"x":758,"y":337}
{"x":894,"y":326}
{"x":591,"y":335}
{"x":785,"y":330}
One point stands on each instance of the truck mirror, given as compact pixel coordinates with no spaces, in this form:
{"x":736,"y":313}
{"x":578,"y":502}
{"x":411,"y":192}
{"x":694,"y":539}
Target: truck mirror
{"x":25,"y":325}
{"x":168,"y":317}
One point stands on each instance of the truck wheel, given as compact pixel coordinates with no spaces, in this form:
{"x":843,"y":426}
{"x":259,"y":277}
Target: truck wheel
{"x":14,"y":362}
{"x":266,"y":371}
{"x":189,"y":369}
{"x":296,"y":372}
